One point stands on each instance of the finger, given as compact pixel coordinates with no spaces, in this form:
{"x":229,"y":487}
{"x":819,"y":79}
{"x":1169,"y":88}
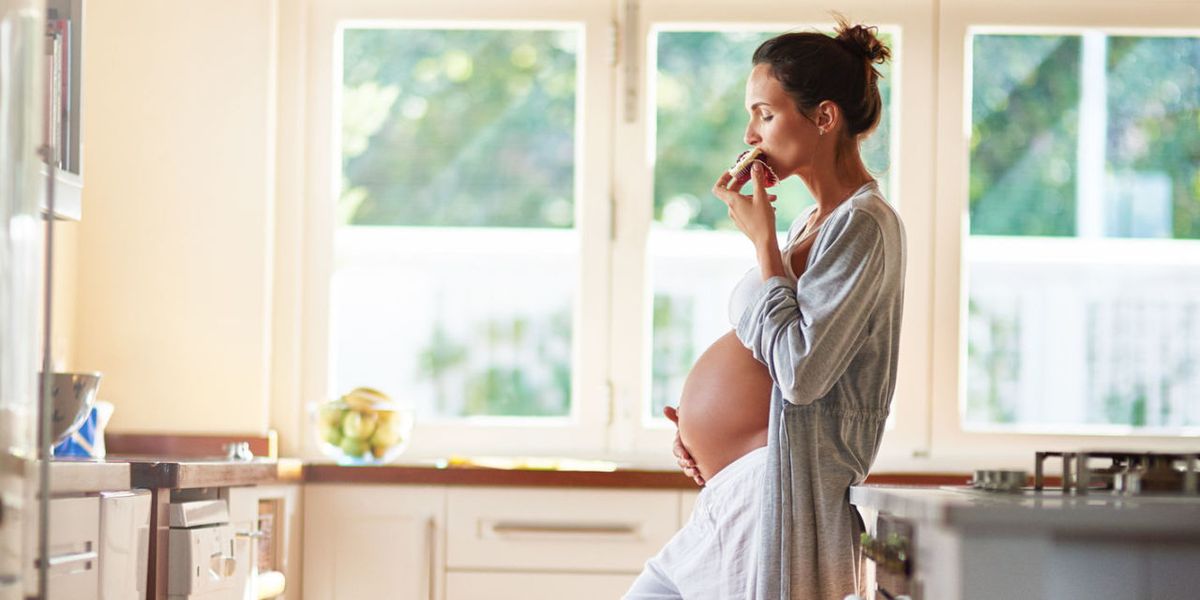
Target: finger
{"x":671,"y":414}
{"x":772,"y":197}
{"x":723,"y":195}
{"x":760,"y":189}
{"x":682,"y":456}
{"x":722,"y":184}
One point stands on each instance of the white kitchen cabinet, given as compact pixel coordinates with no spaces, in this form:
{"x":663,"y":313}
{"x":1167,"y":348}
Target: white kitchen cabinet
{"x":373,"y":541}
{"x":468,"y":585}
{"x":266,"y":520}
{"x":550,"y":529}
{"x":125,"y":543}
{"x":461,"y":543}
{"x":73,"y":547}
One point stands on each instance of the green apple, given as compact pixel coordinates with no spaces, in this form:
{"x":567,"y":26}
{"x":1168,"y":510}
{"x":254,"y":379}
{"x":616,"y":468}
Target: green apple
{"x":332,"y":434}
{"x":359,"y":424}
{"x":331,"y":414}
{"x":354,"y":447}
{"x":387,"y":433}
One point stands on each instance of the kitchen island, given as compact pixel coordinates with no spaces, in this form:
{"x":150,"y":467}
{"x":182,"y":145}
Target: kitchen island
{"x":959,"y":542}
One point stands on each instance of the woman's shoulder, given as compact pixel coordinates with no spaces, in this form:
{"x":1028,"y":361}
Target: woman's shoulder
{"x":868,"y":209}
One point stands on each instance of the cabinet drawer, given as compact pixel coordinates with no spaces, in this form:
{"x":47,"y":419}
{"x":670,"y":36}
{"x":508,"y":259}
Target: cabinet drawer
{"x":74,"y":547}
{"x":536,"y":586}
{"x":557,"y":530}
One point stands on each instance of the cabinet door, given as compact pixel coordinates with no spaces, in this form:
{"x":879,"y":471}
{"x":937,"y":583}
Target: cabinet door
{"x":73,"y":546}
{"x":580,"y":530}
{"x":365,"y":541}
{"x":536,"y":586}
{"x":276,"y":543}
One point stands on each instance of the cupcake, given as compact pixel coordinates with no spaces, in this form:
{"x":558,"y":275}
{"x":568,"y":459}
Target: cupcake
{"x":741,"y":169}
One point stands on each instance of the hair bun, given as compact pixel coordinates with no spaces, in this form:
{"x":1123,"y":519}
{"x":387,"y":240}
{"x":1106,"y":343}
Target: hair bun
{"x":863,"y":41}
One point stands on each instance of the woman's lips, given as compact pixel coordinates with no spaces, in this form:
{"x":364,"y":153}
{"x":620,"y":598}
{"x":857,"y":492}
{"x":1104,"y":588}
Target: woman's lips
{"x":741,"y":169}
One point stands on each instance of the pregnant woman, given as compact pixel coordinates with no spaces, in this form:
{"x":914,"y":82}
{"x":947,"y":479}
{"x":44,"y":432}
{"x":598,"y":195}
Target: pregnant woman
{"x":784,"y":413}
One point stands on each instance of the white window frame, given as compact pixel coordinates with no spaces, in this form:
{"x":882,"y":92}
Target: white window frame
{"x":614,"y":214}
{"x":582,"y":433}
{"x":952,"y":446}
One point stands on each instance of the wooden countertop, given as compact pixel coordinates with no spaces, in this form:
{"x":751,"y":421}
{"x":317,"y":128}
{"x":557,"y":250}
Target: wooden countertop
{"x":117,"y":473}
{"x":191,"y":473}
{"x":321,"y":472}
{"x":318,"y":472}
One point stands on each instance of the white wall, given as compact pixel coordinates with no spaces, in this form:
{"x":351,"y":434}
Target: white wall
{"x":174,"y":281}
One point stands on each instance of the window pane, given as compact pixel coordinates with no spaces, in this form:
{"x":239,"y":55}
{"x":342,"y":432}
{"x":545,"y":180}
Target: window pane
{"x":696,"y":252}
{"x":458,"y":128}
{"x":1079,"y":143}
{"x":456,"y":254}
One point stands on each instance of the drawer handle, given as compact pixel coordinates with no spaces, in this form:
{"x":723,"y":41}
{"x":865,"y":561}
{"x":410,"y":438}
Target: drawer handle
{"x":66,"y":559}
{"x":524,"y":527}
{"x":431,"y":546}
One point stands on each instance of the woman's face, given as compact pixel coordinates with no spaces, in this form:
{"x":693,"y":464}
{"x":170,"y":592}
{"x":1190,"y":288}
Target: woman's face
{"x":786,"y":137}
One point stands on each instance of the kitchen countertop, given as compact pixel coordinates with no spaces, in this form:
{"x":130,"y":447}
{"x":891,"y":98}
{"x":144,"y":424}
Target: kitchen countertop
{"x":75,"y":475}
{"x":196,"y":473}
{"x":432,"y":474}
{"x":83,"y":475}
{"x":962,"y":507}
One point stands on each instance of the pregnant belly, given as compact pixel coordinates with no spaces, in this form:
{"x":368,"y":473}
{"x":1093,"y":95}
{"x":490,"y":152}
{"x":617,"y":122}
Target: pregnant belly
{"x":723,"y":408}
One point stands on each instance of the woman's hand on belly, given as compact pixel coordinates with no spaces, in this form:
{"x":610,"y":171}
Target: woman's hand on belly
{"x":682,"y":456}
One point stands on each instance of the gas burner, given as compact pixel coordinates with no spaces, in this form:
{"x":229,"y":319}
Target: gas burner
{"x":1126,"y":473}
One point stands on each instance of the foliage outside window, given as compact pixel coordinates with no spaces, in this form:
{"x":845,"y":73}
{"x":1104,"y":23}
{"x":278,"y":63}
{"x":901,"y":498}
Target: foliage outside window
{"x":456,"y":250}
{"x":1083,"y":307}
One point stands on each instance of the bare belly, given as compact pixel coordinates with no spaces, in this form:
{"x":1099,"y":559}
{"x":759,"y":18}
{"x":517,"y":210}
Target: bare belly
{"x":723,"y":408}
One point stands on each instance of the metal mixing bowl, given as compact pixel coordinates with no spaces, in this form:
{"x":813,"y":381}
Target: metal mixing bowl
{"x":73,"y":396}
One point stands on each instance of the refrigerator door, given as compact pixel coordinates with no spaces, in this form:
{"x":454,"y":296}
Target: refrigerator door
{"x":21,"y":45}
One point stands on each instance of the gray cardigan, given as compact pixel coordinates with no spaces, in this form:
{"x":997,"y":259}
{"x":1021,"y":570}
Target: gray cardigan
{"x":830,"y":342}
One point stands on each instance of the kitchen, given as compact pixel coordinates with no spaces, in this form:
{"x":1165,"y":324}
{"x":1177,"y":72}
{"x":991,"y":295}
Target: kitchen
{"x":230,"y":263}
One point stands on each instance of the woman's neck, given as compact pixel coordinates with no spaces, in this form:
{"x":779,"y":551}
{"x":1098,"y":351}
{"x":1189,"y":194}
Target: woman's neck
{"x":832,"y":181}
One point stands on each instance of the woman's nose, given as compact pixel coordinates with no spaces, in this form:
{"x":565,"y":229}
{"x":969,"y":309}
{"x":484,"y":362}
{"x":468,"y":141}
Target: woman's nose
{"x":751,"y":138}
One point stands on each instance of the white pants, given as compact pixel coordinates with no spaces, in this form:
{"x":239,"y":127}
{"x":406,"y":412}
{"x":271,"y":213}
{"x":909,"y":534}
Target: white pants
{"x":714,"y":555}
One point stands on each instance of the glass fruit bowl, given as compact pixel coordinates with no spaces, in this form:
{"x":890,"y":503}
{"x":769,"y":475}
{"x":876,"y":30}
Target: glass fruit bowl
{"x":363,"y":427}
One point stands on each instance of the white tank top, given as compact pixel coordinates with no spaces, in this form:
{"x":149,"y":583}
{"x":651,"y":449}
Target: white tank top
{"x":750,"y":283}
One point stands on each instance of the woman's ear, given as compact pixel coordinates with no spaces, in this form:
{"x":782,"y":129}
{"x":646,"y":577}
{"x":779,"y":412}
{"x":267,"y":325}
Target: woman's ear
{"x":829,"y":117}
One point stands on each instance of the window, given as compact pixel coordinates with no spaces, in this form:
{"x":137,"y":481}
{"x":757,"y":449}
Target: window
{"x":456,"y":252}
{"x":454,"y":248}
{"x":509,"y":225}
{"x":1065,"y":245}
{"x":1083,"y":304}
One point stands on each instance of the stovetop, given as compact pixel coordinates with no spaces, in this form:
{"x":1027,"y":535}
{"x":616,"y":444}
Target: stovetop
{"x":1111,"y":472}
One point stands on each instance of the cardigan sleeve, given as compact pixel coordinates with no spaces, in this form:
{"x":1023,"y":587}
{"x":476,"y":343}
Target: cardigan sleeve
{"x":807,"y":332}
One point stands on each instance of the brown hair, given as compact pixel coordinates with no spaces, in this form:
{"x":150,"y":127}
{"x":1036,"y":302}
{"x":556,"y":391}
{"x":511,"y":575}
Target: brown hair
{"x":814,"y":67}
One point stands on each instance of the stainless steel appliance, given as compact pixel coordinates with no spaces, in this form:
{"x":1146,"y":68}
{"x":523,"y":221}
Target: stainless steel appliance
{"x":205,"y":560}
{"x":1120,"y":524}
